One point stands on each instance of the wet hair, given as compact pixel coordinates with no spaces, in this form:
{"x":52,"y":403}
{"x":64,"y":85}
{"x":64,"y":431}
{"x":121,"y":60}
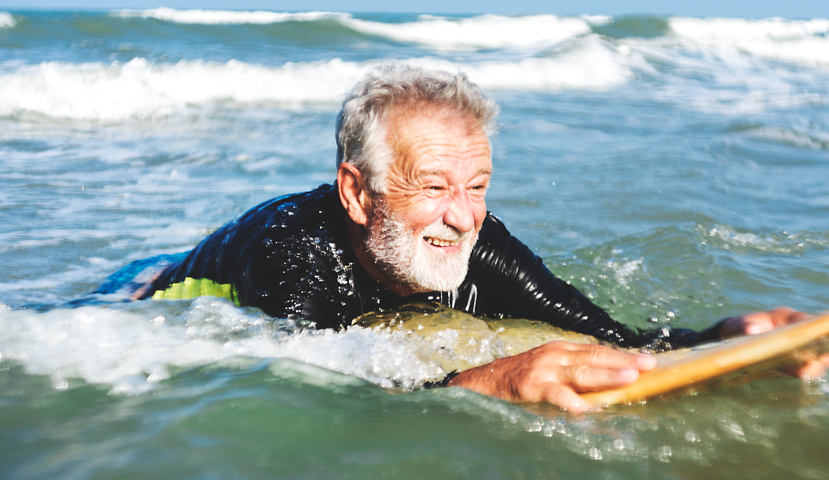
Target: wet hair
{"x":361,"y":124}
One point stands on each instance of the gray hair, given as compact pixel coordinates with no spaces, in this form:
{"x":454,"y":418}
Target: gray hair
{"x":361,"y":124}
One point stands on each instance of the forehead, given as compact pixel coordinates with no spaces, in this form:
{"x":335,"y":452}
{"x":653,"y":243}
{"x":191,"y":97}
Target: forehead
{"x":426,"y":136}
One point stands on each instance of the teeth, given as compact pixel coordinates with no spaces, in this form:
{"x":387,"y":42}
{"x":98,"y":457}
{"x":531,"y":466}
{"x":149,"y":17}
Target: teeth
{"x":440,"y":242}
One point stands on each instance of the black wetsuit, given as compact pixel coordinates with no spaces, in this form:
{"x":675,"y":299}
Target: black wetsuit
{"x":291,"y":257}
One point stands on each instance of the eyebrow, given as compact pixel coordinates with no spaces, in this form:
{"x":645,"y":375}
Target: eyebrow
{"x":482,"y":171}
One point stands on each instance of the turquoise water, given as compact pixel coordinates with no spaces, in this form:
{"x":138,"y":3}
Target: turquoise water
{"x":674,"y":169}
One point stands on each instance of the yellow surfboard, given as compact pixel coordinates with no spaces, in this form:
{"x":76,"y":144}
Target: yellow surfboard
{"x":742,"y":358}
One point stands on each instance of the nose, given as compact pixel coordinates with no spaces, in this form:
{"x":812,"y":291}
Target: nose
{"x":459,"y":214}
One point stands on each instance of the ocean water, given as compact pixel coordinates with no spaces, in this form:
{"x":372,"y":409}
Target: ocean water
{"x":674,"y":169}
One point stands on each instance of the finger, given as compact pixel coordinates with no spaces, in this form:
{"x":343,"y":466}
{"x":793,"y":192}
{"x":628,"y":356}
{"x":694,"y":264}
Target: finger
{"x":783,"y":316}
{"x":608,"y":358}
{"x":587,"y":379}
{"x":760,"y":322}
{"x":813,"y":369}
{"x":566,"y":399}
{"x":750,"y":324}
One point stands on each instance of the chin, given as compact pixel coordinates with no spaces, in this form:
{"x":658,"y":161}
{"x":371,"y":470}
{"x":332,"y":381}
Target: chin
{"x":407,"y":259}
{"x":429,"y":269}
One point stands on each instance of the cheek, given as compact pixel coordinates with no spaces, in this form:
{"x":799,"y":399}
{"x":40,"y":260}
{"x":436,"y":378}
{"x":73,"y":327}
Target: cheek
{"x":421,"y":213}
{"x":479,"y":212}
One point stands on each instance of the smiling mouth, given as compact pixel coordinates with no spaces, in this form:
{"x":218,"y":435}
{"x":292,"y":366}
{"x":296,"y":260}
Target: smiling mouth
{"x":439,"y":242}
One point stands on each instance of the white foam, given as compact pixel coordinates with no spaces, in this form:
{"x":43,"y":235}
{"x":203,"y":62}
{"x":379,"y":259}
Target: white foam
{"x":6,"y":20}
{"x":485,"y":31}
{"x":141,"y":89}
{"x":593,"y":65}
{"x":800,"y":41}
{"x":777,"y":242}
{"x":623,"y":271}
{"x":597,"y":19}
{"x":133,"y":349}
{"x":813,"y":51}
{"x":743,"y":28}
{"x":220,"y":17}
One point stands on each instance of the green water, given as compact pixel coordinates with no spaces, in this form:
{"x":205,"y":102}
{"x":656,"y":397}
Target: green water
{"x":284,"y":419}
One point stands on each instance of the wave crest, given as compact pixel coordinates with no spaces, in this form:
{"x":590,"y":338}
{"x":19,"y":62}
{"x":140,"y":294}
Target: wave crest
{"x":222,"y":17}
{"x":6,"y":20}
{"x":485,"y":31}
{"x":744,"y":28}
{"x":141,"y":89}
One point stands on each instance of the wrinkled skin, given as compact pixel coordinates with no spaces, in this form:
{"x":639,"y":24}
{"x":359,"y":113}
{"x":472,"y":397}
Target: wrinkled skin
{"x":556,"y":373}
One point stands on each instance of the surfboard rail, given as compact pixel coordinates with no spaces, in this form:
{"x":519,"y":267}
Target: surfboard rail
{"x":765,"y":353}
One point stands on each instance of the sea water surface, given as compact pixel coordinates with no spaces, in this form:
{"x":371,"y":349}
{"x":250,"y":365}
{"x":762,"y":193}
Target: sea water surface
{"x":674,"y":169}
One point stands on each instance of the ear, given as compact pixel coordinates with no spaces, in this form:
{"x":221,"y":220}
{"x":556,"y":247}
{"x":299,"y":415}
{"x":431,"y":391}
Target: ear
{"x":354,"y":193}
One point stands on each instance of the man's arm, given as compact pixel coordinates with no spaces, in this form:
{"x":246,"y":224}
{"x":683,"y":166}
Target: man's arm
{"x":512,"y":281}
{"x":556,"y":373}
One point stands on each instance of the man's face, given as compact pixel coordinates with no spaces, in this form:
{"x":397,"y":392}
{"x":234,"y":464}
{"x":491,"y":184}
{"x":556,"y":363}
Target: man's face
{"x":423,"y":229}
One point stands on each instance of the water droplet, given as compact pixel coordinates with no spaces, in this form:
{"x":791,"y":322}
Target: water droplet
{"x":534,"y":426}
{"x":595,"y":454}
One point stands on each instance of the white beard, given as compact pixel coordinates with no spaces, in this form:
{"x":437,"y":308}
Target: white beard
{"x":405,"y":258}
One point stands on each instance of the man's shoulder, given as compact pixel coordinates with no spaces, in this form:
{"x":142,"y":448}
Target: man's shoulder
{"x":500,"y":253}
{"x":294,"y":205}
{"x":288,"y":221}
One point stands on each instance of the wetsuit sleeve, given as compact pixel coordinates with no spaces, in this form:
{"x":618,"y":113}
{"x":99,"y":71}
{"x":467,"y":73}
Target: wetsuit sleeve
{"x":278,"y":257}
{"x":516,"y":283}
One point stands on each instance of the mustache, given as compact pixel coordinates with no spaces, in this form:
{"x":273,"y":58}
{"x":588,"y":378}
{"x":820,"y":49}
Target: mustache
{"x":438,"y":229}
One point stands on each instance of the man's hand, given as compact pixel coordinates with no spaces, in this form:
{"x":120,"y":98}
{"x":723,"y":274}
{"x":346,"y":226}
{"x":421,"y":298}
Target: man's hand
{"x":556,"y":373}
{"x":761,"y":322}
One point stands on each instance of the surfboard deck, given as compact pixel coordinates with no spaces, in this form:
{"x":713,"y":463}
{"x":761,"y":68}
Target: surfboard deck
{"x":743,"y":358}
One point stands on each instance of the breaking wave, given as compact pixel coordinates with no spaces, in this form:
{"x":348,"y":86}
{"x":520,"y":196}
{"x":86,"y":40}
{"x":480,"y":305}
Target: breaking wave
{"x":134,"y":348}
{"x":224,"y":17}
{"x":800,"y":41}
{"x":6,"y":20}
{"x":486,"y":31}
{"x":142,"y":89}
{"x":743,"y":28}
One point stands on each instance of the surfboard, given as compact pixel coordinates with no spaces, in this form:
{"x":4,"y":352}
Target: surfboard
{"x":459,"y":341}
{"x":743,"y":358}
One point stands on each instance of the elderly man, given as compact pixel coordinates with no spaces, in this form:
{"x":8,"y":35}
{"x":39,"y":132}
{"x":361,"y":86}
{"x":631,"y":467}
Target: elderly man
{"x":406,"y":221}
